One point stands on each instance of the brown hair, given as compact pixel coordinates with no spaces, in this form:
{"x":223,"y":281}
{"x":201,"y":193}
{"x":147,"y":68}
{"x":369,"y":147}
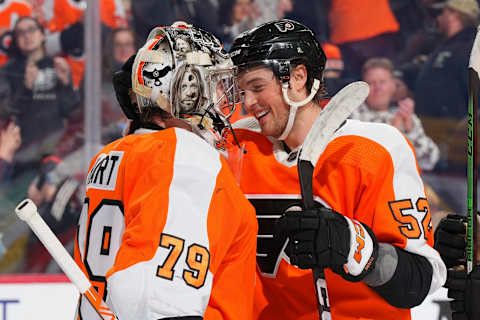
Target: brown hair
{"x":14,"y":50}
{"x":378,"y":62}
{"x":108,"y":64}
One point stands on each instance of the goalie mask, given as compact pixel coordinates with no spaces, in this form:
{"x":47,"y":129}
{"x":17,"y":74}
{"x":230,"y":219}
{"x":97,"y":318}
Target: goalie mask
{"x":186,"y":72}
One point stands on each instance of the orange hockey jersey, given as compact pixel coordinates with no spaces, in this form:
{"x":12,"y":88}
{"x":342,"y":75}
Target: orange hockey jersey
{"x":165,"y":231}
{"x":366,"y":172}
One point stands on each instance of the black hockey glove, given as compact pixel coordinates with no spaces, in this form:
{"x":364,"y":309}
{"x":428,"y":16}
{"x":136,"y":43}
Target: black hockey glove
{"x":464,"y":290}
{"x":450,"y":240}
{"x":323,"y":238}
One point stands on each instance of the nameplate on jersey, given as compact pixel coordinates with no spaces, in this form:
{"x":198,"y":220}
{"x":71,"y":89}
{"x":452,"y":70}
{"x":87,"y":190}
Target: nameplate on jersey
{"x":103,"y":174}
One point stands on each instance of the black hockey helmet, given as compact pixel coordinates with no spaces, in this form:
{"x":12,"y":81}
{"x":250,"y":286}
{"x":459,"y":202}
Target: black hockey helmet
{"x":279,"y":44}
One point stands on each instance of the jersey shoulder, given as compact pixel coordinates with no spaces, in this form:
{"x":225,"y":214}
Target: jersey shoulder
{"x":382,"y":134}
{"x":146,"y":148}
{"x":369,"y":145}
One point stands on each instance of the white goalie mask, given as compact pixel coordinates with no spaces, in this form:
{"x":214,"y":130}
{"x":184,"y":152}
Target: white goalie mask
{"x":185,"y":71}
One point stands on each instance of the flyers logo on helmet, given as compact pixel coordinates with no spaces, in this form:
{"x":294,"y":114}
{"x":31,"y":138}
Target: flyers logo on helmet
{"x":284,"y":26}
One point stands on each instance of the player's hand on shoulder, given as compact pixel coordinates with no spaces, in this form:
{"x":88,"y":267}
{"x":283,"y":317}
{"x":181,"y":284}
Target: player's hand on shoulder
{"x":450,"y":240}
{"x":323,"y":238}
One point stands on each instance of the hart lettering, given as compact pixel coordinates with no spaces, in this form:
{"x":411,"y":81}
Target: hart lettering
{"x":103,"y":174}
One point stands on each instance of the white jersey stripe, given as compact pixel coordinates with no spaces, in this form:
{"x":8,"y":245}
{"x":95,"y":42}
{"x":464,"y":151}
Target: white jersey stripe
{"x":195,"y":172}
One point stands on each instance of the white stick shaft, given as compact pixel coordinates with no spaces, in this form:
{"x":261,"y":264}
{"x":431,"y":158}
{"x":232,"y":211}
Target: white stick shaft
{"x":335,"y":112}
{"x":27,"y":211}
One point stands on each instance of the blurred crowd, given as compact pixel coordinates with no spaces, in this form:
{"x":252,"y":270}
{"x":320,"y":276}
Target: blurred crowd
{"x":413,"y":53}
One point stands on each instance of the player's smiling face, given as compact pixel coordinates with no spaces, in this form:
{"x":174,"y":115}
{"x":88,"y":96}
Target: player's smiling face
{"x":264,"y":100}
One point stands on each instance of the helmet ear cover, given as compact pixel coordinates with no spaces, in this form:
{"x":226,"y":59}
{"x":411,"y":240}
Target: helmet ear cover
{"x":122,"y":84}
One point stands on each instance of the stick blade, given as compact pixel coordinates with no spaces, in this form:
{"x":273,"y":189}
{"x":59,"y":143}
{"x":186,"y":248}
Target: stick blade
{"x":335,"y":112}
{"x":475,"y":53}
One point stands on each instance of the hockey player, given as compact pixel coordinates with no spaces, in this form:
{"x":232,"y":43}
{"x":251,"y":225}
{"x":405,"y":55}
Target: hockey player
{"x":371,"y":231}
{"x":165,"y":232}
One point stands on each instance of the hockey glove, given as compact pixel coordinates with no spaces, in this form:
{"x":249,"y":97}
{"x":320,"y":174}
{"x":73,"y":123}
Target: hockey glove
{"x":464,"y":290}
{"x":450,"y":240}
{"x":323,"y":238}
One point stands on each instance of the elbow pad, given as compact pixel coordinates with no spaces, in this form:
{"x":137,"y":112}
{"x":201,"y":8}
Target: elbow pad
{"x":410,"y":282}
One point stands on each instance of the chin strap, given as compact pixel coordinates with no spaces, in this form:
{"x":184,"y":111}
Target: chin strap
{"x":295,"y":105}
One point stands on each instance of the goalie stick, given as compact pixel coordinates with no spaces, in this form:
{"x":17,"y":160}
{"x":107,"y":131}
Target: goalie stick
{"x":332,"y":116}
{"x":27,"y":211}
{"x":472,"y":149}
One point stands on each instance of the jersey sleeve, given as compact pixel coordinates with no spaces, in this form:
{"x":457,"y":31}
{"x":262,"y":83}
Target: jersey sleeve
{"x":237,"y":268}
{"x":381,"y":186}
{"x":402,"y":214}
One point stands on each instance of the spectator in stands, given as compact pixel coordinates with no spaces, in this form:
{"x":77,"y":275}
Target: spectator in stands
{"x":63,"y":22}
{"x":411,"y":18}
{"x":270,"y":10}
{"x":441,"y":87}
{"x":10,"y":11}
{"x":119,"y":47}
{"x":144,"y":19}
{"x":333,"y":74}
{"x":378,"y":73}
{"x":39,"y":88}
{"x":234,"y":17}
{"x":10,"y":141}
{"x":401,"y":89}
{"x":147,"y":14}
{"x":362,"y":29}
{"x":57,"y":192}
{"x":313,"y":14}
{"x":58,"y":15}
{"x":418,"y":35}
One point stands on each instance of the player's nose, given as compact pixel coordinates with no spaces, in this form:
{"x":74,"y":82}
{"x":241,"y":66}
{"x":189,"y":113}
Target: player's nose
{"x":250,"y":100}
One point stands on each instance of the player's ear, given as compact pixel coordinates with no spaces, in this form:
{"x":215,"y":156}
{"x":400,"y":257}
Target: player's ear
{"x":298,"y":78}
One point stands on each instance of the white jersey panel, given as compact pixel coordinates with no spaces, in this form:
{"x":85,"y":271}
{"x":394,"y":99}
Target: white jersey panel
{"x":137,"y":292}
{"x":407,"y":183}
{"x":99,"y":244}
